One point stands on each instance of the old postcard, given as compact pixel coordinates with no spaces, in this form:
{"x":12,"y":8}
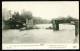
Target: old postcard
{"x":40,"y":25}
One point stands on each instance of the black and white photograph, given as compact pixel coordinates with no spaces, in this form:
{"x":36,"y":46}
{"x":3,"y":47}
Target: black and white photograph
{"x":45,"y":22}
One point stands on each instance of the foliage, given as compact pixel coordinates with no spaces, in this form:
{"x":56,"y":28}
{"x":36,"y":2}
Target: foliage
{"x":38,"y":20}
{"x":19,"y":20}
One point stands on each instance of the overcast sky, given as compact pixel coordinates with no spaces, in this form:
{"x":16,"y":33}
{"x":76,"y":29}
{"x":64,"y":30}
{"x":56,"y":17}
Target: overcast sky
{"x":46,"y":10}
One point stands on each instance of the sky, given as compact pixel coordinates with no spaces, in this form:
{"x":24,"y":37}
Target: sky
{"x":45,"y":9}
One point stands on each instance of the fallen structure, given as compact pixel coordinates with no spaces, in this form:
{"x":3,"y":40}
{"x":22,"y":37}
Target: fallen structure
{"x":69,"y":20}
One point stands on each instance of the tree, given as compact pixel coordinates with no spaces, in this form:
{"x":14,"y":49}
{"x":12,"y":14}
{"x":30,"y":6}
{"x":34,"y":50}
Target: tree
{"x":6,"y":15}
{"x":19,"y":20}
{"x":26,"y":14}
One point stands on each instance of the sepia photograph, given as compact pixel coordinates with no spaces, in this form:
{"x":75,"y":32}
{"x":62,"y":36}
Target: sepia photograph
{"x":45,"y":22}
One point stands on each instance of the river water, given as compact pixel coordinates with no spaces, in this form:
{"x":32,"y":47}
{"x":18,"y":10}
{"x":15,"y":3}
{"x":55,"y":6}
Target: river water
{"x":66,"y":34}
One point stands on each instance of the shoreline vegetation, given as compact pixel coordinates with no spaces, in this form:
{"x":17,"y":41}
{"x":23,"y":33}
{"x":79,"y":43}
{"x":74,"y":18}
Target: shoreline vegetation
{"x":26,"y":20}
{"x":19,"y":21}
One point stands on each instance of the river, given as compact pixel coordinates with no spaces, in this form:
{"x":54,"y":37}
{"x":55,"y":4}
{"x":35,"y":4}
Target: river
{"x":66,"y":34}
